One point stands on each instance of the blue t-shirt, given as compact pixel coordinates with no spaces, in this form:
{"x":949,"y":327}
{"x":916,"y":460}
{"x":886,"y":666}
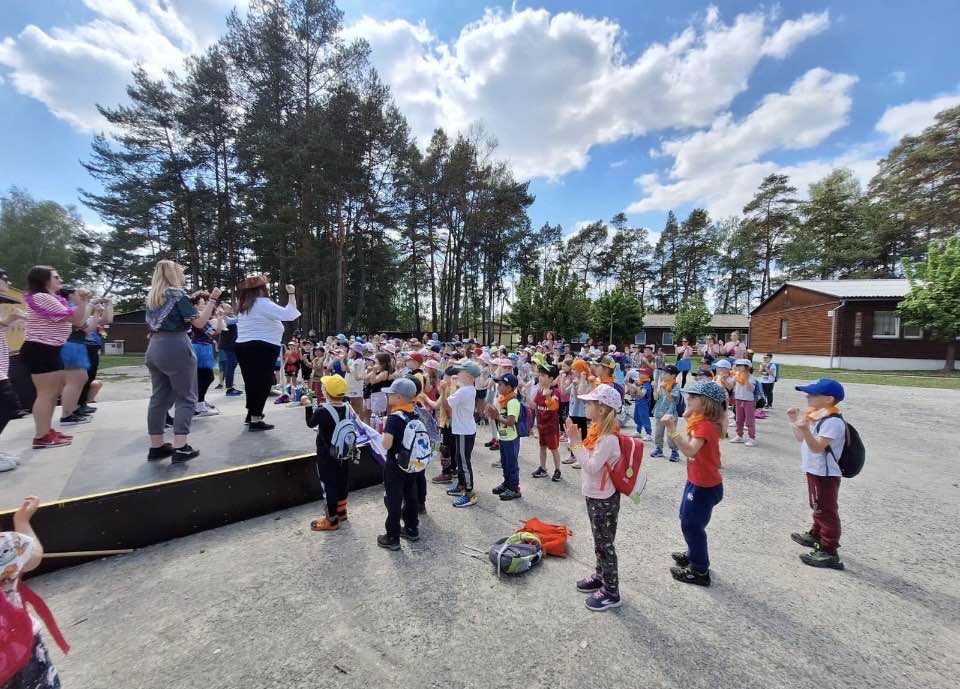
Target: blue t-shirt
{"x":179,"y":317}
{"x":645,"y":400}
{"x":667,"y":404}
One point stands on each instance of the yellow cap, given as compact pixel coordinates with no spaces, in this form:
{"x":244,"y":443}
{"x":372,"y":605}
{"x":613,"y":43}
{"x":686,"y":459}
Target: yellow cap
{"x":335,"y":386}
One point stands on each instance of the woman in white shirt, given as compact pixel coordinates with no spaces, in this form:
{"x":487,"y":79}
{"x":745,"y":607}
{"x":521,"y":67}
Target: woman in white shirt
{"x":259,"y":337}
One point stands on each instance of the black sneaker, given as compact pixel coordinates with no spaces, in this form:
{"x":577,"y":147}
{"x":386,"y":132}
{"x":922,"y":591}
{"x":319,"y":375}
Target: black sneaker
{"x":821,"y":558}
{"x":806,"y":539}
{"x":540,"y":473}
{"x":682,"y":559}
{"x":75,"y":418}
{"x":556,"y":476}
{"x":85,"y":410}
{"x":161,"y":452}
{"x":690,"y":576}
{"x":410,"y":535}
{"x":385,"y":541}
{"x":499,"y":489}
{"x":219,"y":386}
{"x":183,"y":454}
{"x":510,"y":495}
{"x":260,"y":426}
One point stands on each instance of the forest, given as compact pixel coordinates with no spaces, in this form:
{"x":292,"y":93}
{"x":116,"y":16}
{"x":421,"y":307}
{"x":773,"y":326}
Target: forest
{"x":279,"y":150}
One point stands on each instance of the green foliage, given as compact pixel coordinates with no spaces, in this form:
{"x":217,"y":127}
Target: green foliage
{"x":617,"y":315}
{"x":692,"y":320}
{"x":771,"y":216}
{"x":557,"y":303}
{"x":934,"y":299}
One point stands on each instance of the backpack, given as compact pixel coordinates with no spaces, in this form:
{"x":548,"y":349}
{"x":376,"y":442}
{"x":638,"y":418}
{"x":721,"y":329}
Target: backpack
{"x":516,"y":554}
{"x":343,"y":441}
{"x":523,"y":421}
{"x":415,"y":450}
{"x":776,"y":371}
{"x":16,"y":632}
{"x":853,"y":455}
{"x":681,"y":406}
{"x":628,"y":475}
{"x":553,"y":537}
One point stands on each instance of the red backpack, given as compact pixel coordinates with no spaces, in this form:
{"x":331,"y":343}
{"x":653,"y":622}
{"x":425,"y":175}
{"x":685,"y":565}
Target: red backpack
{"x":628,"y":475}
{"x":16,"y":631}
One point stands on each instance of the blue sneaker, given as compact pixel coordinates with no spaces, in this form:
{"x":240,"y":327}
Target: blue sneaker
{"x":589,"y":584}
{"x":466,"y":500}
{"x":657,"y":453}
{"x":674,"y":456}
{"x":601,"y":600}
{"x":455,"y":490}
{"x":233,"y":392}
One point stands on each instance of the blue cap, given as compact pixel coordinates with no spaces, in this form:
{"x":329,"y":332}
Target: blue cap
{"x":436,"y":347}
{"x":513,"y":357}
{"x":341,"y":337}
{"x":509,"y":379}
{"x":823,"y":386}
{"x":403,"y":387}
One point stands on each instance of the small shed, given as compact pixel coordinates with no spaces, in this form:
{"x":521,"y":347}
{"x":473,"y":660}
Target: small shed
{"x":843,"y":324}
{"x":131,"y":327}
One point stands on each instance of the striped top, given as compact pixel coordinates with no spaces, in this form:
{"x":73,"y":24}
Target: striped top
{"x":50,"y":322}
{"x":4,"y":355}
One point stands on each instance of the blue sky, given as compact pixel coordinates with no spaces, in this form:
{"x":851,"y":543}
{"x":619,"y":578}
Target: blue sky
{"x":606,"y":106}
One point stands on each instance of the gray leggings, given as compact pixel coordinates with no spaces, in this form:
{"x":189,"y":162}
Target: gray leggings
{"x":658,"y":436}
{"x":173,"y":374}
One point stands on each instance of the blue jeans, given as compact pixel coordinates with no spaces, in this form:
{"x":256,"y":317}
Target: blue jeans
{"x":228,"y":362}
{"x":641,"y":415}
{"x":510,"y":461}
{"x":696,"y":507}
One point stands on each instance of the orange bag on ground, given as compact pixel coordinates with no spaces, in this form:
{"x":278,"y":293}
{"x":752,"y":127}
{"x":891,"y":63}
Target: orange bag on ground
{"x":553,"y":537}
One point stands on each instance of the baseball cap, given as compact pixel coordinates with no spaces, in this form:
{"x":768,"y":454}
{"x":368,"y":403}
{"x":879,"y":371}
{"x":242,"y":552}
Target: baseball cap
{"x":436,"y":347}
{"x":823,"y":386}
{"x":709,"y":389}
{"x":450,"y":371}
{"x":671,"y":369}
{"x":723,"y":363}
{"x":607,"y":362}
{"x":357,"y":347}
{"x":469,"y":368}
{"x":549,"y":369}
{"x":606,"y":395}
{"x":336,"y":386}
{"x":416,"y":356}
{"x":743,"y":362}
{"x":341,"y":337}
{"x":403,"y":387}
{"x":509,"y":379}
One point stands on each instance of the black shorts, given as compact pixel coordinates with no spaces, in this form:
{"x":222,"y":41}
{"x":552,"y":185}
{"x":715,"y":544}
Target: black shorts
{"x":41,"y":358}
{"x":481,"y":394}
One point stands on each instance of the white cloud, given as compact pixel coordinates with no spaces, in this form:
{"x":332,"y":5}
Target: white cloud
{"x":618,"y":163}
{"x":550,"y":87}
{"x":899,"y":77}
{"x":913,"y":117}
{"x":793,"y":32}
{"x":71,"y":69}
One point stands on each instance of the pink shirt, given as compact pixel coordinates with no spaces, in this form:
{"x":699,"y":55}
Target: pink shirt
{"x":52,"y":327}
{"x":594,"y":482}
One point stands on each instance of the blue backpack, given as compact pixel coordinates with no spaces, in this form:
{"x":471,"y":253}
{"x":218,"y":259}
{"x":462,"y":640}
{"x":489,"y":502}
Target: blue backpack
{"x":523,"y":423}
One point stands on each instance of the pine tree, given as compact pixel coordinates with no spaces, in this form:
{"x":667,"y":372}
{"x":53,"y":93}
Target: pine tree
{"x":772,"y":216}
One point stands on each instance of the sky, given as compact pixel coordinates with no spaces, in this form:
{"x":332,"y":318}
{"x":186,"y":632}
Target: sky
{"x":640,"y":107}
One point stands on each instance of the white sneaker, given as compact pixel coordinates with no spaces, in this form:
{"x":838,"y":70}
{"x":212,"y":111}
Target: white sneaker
{"x":10,"y":458}
{"x":7,"y":464}
{"x":575,"y":465}
{"x":203,"y":409}
{"x":751,"y":442}
{"x":736,"y":439}
{"x":648,"y":438}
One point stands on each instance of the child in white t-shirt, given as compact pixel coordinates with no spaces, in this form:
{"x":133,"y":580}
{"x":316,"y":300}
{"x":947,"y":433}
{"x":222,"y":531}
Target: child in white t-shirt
{"x":769,"y":372}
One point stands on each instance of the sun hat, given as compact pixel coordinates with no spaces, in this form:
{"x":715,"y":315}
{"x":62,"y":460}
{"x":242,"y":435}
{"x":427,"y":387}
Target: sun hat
{"x":432,"y":364}
{"x":503,"y":362}
{"x":341,"y":337}
{"x":390,"y":348}
{"x":509,"y":379}
{"x":335,"y":386}
{"x":403,"y":387}
{"x":743,"y":362}
{"x":708,"y":389}
{"x":580,"y":366}
{"x":549,"y":369}
{"x":356,"y":347}
{"x":606,"y":362}
{"x":470,"y":368}
{"x":723,"y":363}
{"x":606,"y":395}
{"x":416,"y":356}
{"x":823,"y":386}
{"x":513,"y":357}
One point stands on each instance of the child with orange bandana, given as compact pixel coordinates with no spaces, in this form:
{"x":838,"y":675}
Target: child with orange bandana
{"x":745,"y":402}
{"x":548,"y":424}
{"x":667,"y":396}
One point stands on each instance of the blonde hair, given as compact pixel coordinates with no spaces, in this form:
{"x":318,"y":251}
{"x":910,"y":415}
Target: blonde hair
{"x":608,"y":419}
{"x":714,"y":412}
{"x":167,"y":274}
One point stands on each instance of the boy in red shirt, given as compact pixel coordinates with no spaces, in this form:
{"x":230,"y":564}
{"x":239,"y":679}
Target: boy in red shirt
{"x":547,"y":402}
{"x":704,"y":488}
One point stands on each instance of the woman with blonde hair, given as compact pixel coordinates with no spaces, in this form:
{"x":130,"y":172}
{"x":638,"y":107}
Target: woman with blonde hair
{"x":171,"y":360}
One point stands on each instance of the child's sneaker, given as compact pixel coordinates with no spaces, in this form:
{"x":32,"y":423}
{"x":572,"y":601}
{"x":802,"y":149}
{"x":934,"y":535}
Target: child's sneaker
{"x":601,"y":600}
{"x":385,"y":541}
{"x":183,"y":454}
{"x":658,"y":452}
{"x":750,"y":442}
{"x":575,"y":465}
{"x":162,"y":452}
{"x":499,"y":489}
{"x":442,"y":478}
{"x":556,"y":476}
{"x":324,"y":524}
{"x":806,"y":539}
{"x":509,"y":494}
{"x":410,"y":534}
{"x":50,"y":440}
{"x":489,"y":443}
{"x":821,"y":558}
{"x":674,"y":456}
{"x":75,"y":419}
{"x":688,"y":575}
{"x":682,"y":559}
{"x":495,"y":447}
{"x":647,"y":438}
{"x":736,"y":439}
{"x":589,"y":584}
{"x":466,"y":500}
{"x":456,"y":490}
{"x":540,"y":473}
{"x":569,"y":460}
{"x":233,"y":392}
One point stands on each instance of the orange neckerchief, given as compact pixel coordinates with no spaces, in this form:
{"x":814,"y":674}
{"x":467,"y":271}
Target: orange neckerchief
{"x":814,"y":414}
{"x":503,"y":399}
{"x":743,"y":377}
{"x":692,"y":422}
{"x":403,"y":406}
{"x":606,"y":378}
{"x":667,"y":385}
{"x":593,"y":435}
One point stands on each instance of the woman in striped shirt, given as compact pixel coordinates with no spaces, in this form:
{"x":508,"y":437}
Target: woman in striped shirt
{"x":50,"y":319}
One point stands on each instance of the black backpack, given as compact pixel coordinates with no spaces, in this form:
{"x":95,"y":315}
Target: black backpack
{"x":854,"y":454}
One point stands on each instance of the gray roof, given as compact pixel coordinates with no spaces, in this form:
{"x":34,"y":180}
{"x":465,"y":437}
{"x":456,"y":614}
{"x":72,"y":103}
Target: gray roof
{"x":853,"y":289}
{"x":720,"y":321}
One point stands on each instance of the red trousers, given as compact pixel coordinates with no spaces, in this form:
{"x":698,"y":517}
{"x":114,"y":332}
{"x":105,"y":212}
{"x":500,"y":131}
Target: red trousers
{"x":823,"y":492}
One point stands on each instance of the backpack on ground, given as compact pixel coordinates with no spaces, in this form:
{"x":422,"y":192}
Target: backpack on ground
{"x":415,"y":450}
{"x":628,"y":474}
{"x":16,"y":632}
{"x":553,"y":537}
{"x":854,"y":454}
{"x":516,"y":554}
{"x":343,"y":441}
{"x":523,"y":421}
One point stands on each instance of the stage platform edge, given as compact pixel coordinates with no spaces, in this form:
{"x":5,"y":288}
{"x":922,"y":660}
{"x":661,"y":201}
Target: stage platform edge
{"x":139,"y":516}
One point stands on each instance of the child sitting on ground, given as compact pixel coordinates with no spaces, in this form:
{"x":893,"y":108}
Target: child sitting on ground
{"x":667,"y":396}
{"x":704,"y":487}
{"x":822,"y":434}
{"x":744,"y":399}
{"x":547,"y":403}
{"x":334,"y":472}
{"x":400,"y":487}
{"x":597,"y":453}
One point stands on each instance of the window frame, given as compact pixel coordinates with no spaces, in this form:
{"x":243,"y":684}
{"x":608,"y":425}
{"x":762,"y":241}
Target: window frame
{"x":636,"y":338}
{"x":896,"y":326}
{"x":903,"y":332}
{"x":666,"y":336}
{"x":784,"y":328}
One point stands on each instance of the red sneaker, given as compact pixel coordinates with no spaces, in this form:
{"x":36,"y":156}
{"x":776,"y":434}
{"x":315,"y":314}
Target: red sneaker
{"x":62,"y":435}
{"x":442,"y":478}
{"x":50,"y":440}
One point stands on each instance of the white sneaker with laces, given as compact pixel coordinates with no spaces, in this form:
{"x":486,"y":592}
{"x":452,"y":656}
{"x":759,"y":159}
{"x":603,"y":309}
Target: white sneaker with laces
{"x":736,"y":439}
{"x":7,"y":464}
{"x":751,"y":442}
{"x":10,"y":458}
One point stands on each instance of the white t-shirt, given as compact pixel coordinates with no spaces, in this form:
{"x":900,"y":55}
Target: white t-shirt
{"x":823,"y":463}
{"x":771,"y":375}
{"x":355,"y":377}
{"x":264,"y":321}
{"x":462,"y":404}
{"x":745,"y":392}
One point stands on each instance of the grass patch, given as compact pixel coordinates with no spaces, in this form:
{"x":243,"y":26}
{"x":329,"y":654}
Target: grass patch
{"x":112,"y":361}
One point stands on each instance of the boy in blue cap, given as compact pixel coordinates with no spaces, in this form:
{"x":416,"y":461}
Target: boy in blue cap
{"x":822,"y":433}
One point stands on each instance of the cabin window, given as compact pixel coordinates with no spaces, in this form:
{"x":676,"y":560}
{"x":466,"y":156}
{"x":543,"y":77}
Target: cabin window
{"x":640,"y":338}
{"x":667,"y":339}
{"x":912,"y":332}
{"x":886,"y":325}
{"x":784,"y":328}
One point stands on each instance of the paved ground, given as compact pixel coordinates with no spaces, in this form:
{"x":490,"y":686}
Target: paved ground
{"x":267,"y":603}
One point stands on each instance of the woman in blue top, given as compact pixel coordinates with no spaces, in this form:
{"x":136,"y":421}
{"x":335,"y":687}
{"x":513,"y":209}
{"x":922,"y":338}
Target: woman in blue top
{"x":171,"y":360}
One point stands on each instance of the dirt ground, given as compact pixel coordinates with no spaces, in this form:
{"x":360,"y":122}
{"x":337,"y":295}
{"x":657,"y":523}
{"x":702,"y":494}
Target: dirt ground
{"x":267,"y":603}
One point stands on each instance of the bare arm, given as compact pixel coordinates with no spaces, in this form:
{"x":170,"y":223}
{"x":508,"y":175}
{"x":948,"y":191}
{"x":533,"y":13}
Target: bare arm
{"x":21,"y":524}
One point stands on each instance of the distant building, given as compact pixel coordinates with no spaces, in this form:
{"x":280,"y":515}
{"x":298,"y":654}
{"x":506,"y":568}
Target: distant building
{"x":842,"y":324}
{"x":658,"y":329}
{"x":131,"y":328}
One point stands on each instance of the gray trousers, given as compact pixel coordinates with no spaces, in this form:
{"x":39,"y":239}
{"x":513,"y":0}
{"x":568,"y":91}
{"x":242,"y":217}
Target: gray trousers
{"x":658,"y":436}
{"x":173,"y":375}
